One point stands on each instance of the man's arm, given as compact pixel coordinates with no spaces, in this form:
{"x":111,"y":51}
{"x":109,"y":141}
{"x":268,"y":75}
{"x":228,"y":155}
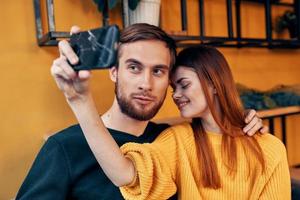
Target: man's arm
{"x":48,"y":177}
{"x":254,"y":123}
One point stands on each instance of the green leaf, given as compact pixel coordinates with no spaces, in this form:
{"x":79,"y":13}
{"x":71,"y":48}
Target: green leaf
{"x":133,"y":4}
{"x":100,"y":4}
{"x":269,"y":102}
{"x":112,"y":3}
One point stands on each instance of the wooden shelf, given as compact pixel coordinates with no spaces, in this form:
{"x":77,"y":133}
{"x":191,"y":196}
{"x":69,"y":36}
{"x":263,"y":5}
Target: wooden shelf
{"x":295,"y":174}
{"x":273,"y":3}
{"x":262,"y":114}
{"x":279,"y":111}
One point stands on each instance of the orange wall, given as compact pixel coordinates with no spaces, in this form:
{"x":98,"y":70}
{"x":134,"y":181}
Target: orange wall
{"x":31,"y":105}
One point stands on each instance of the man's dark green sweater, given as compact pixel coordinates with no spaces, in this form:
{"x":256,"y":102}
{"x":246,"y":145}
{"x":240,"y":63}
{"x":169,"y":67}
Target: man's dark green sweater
{"x":65,"y":167}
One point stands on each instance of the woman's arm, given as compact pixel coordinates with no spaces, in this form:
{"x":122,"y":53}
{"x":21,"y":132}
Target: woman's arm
{"x":157,"y":165}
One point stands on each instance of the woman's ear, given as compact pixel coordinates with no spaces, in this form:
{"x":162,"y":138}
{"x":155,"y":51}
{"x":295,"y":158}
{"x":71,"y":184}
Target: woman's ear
{"x":113,"y":71}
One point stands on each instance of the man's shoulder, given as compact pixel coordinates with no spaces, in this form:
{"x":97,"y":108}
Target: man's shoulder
{"x":72,"y":145}
{"x":154,"y":129}
{"x":159,"y":126}
{"x":69,"y":137}
{"x":73,"y":131}
{"x":73,"y":135}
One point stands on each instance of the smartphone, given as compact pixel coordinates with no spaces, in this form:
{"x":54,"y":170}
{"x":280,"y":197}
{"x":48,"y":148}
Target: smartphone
{"x":96,"y":48}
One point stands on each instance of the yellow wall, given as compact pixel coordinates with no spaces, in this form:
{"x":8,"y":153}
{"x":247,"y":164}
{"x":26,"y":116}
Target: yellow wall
{"x":31,"y":105}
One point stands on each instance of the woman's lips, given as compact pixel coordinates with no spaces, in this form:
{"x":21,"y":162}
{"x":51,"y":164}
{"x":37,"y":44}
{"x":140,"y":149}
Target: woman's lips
{"x":182,"y":104}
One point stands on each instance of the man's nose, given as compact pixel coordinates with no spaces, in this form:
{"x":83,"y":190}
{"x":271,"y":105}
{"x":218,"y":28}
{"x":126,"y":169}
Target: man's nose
{"x":146,"y":82}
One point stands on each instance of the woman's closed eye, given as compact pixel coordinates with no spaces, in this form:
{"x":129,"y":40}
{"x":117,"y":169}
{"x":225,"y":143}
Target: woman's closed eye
{"x":184,"y":86}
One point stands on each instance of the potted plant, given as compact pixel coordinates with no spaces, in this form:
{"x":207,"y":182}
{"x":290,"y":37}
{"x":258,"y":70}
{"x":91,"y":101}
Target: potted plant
{"x":112,"y":3}
{"x":135,"y":11}
{"x":287,"y":21}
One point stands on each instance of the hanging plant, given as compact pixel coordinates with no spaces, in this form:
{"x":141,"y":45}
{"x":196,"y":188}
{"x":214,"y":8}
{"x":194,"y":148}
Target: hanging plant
{"x":279,"y":96}
{"x":112,"y":3}
{"x":287,"y":21}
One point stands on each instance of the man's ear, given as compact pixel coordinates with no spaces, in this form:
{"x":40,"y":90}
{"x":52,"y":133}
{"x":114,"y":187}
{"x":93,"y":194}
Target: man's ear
{"x":113,"y":71}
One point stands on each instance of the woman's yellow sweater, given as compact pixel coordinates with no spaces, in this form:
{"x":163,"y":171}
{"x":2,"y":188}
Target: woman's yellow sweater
{"x":170,"y":164}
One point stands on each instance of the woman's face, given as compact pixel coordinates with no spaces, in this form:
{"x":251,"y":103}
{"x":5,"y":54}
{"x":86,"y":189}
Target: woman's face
{"x":188,"y":94}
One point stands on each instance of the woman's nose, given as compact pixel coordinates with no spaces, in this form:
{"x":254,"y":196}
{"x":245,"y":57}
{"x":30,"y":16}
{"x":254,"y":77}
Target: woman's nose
{"x":176,"y":95}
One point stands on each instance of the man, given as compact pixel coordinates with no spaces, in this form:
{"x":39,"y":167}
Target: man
{"x":65,"y":168}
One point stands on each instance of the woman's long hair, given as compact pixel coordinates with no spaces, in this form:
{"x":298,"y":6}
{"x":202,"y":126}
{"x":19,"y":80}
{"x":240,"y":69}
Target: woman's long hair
{"x":213,"y":70}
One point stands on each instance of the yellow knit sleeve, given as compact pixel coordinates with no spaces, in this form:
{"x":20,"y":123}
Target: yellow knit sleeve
{"x":155,"y":165}
{"x":279,"y":183}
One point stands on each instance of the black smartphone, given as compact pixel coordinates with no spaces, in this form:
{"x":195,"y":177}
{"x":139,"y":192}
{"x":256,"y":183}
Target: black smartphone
{"x":96,"y":48}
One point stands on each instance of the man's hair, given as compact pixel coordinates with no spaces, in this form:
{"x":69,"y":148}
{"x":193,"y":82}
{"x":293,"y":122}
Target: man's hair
{"x":143,"y":31}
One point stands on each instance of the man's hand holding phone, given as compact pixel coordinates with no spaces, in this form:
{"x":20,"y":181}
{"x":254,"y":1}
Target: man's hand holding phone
{"x":74,"y":85}
{"x":87,"y":50}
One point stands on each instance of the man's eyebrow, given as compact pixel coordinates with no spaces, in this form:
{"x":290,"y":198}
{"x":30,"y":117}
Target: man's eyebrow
{"x":166,"y":67}
{"x":159,"y":66}
{"x":132,"y":60}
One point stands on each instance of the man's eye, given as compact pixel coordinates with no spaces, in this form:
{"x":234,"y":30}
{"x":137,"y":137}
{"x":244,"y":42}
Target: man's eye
{"x":158,"y":72}
{"x":133,"y":68}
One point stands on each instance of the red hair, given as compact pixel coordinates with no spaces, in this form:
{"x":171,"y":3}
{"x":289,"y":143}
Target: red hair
{"x":213,"y":70}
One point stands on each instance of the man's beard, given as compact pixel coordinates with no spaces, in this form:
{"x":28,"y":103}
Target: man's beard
{"x":127,"y":107}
